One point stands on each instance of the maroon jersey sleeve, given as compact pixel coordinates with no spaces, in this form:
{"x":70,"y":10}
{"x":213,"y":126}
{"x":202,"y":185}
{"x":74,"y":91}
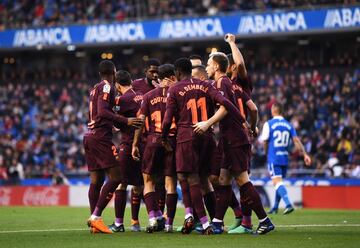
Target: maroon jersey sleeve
{"x":144,"y":109}
{"x":241,"y":98}
{"x":128,"y":105}
{"x":169,"y":113}
{"x":104,"y":106}
{"x":225,"y":88}
{"x":216,"y":96}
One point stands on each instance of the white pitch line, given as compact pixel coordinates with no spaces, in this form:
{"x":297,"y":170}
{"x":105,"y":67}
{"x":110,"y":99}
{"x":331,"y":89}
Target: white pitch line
{"x":85,"y":229}
{"x":319,"y":225}
{"x":45,"y":230}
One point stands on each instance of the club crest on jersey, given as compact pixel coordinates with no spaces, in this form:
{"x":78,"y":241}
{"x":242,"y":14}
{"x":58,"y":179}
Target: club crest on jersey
{"x":106,"y":88}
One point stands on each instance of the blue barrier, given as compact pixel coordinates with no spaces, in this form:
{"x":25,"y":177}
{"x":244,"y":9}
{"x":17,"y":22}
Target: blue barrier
{"x":240,"y":23}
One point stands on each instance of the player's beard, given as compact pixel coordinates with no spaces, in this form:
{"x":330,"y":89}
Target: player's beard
{"x":229,"y":74}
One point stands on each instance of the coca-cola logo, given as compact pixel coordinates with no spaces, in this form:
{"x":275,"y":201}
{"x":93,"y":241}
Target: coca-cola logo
{"x":5,"y":195}
{"x":42,"y":197}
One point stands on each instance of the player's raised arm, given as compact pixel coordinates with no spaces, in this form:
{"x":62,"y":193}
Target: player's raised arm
{"x":237,"y":56}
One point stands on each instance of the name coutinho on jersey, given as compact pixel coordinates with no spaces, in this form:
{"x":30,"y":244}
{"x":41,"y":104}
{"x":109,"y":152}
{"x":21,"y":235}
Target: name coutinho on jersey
{"x":193,"y":87}
{"x":157,"y":100}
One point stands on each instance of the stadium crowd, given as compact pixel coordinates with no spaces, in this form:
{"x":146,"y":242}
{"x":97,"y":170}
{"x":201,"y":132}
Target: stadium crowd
{"x":42,"y":125}
{"x":27,"y":13}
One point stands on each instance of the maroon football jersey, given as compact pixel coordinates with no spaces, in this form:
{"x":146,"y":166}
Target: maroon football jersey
{"x":241,"y":98}
{"x":231,"y":136}
{"x":128,"y":105}
{"x":190,"y":101}
{"x":142,"y":85}
{"x":246,"y":84}
{"x":154,"y":107}
{"x":101,"y":116}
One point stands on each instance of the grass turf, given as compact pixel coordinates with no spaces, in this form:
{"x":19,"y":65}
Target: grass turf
{"x":65,"y":227}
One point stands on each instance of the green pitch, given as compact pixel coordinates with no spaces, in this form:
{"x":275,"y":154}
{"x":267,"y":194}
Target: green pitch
{"x":65,"y":227}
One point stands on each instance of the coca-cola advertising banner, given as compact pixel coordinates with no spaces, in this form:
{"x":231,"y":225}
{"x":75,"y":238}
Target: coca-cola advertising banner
{"x":34,"y":196}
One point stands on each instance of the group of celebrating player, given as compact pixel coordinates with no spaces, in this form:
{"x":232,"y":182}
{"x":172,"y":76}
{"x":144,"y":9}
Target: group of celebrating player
{"x":166,"y":122}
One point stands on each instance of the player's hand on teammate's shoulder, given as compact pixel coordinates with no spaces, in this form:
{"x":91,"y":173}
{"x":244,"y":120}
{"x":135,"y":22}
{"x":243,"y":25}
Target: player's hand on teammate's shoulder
{"x":135,"y":122}
{"x":307,"y":160}
{"x":201,"y":127}
{"x":135,"y":153}
{"x":229,"y":38}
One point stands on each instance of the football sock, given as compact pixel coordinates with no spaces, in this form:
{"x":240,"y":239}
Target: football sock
{"x":204,"y":222}
{"x":210,"y":203}
{"x":135,"y":205}
{"x":222,"y":201}
{"x":246,"y":221}
{"x":281,"y":190}
{"x":235,"y":205}
{"x":277,"y":200}
{"x":94,"y":192}
{"x":186,"y":194}
{"x":246,"y":211}
{"x":151,"y":205}
{"x":119,"y":221}
{"x":161,"y":195}
{"x":105,"y":196}
{"x":171,"y":201}
{"x":251,"y":197}
{"x":189,"y":212}
{"x":197,"y":200}
{"x":120,"y":204}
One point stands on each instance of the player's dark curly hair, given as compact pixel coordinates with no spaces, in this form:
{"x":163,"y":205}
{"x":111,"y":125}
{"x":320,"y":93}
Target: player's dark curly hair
{"x":150,"y":62}
{"x":166,"y":71}
{"x":195,"y":56}
{"x":123,"y":78}
{"x":183,"y":65}
{"x":106,"y":67}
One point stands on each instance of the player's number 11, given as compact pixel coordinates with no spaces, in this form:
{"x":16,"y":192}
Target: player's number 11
{"x":193,"y":105}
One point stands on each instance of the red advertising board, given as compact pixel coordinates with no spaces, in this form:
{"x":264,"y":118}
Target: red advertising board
{"x":34,"y":196}
{"x":337,"y":197}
